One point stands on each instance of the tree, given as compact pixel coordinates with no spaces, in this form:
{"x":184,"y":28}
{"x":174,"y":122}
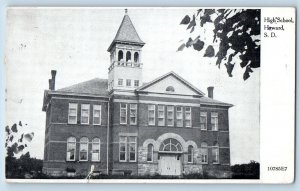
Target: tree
{"x":246,"y":171}
{"x":16,"y":142}
{"x":236,"y":34}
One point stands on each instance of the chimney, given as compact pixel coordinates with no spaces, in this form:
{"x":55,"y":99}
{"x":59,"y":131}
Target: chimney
{"x":52,"y":80}
{"x":210,"y":91}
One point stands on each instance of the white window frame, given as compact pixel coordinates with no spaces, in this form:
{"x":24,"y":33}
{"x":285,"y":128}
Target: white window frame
{"x":151,"y":152}
{"x":121,"y":113}
{"x":100,"y":115}
{"x":71,"y":107}
{"x":125,"y":143}
{"x":149,"y":109}
{"x":120,"y":82}
{"x":203,"y":114}
{"x":161,"y":108}
{"x":217,"y":155}
{"x":172,"y":109}
{"x":99,"y":145}
{"x":87,"y":152}
{"x":88,"y":116}
{"x":67,"y":159}
{"x":128,"y":81}
{"x":185,"y":118}
{"x":202,"y":150}
{"x":181,"y":119}
{"x":134,"y":108}
{"x":136,"y":83}
{"x":190,"y":154}
{"x":135,"y":147}
{"x":215,"y":116}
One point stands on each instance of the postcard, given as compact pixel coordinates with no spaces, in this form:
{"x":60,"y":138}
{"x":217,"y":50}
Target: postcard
{"x":150,"y":95}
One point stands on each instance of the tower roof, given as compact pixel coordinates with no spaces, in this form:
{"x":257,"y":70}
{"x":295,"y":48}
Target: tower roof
{"x":126,"y":33}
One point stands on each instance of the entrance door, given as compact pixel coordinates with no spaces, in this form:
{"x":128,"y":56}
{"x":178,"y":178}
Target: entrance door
{"x":170,"y":165}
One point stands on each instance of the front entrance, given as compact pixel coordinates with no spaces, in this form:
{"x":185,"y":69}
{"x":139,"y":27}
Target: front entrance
{"x":169,"y":165}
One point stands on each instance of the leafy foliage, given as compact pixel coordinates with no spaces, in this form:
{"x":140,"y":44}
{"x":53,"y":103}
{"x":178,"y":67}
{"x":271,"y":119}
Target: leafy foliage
{"x":248,"y":171}
{"x":236,"y":33}
{"x":16,"y":142}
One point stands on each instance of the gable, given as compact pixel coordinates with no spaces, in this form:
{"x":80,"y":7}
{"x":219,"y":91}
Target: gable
{"x":171,"y":84}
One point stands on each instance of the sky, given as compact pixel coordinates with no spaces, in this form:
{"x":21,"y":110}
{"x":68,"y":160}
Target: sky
{"x":74,"y":42}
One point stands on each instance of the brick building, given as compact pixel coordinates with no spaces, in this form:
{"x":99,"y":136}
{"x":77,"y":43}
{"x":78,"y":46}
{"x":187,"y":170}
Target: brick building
{"x":122,"y":125}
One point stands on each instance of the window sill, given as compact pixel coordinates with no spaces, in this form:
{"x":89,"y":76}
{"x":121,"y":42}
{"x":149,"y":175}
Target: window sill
{"x":71,"y":123}
{"x":127,"y":161}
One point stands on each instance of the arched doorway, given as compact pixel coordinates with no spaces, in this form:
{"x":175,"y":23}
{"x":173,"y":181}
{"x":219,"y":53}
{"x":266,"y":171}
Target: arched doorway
{"x":170,"y":157}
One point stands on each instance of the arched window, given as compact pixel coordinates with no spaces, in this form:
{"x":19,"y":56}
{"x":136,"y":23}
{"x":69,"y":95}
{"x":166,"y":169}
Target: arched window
{"x":128,"y":56}
{"x":71,"y":148}
{"x":150,"y":153}
{"x":136,"y":57}
{"x":120,"y":55}
{"x":83,"y":150}
{"x":215,"y":153}
{"x":204,"y":152}
{"x":170,"y":89}
{"x":170,"y":145}
{"x":190,"y":154}
{"x":96,"y":149}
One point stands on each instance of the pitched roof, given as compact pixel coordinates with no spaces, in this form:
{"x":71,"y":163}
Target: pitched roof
{"x":176,"y":76}
{"x":98,"y":87}
{"x":210,"y":101}
{"x":126,"y":33}
{"x":95,"y":86}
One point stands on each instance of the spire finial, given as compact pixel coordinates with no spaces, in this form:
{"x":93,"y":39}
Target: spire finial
{"x":126,"y":11}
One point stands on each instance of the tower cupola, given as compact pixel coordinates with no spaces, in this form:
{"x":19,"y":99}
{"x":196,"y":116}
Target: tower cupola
{"x":125,"y":70}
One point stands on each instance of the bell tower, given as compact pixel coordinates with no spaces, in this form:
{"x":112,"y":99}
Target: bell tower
{"x":125,"y":70}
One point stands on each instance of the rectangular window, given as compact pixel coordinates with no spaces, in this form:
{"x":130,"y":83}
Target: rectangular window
{"x":123,"y":113}
{"x":179,"y":116}
{"x":122,"y":148}
{"x":133,"y":114}
{"x":136,"y":83}
{"x":85,"y":113}
{"x":83,"y":153}
{"x":96,"y":151}
{"x":204,"y":155}
{"x":150,"y":153}
{"x":161,"y":115}
{"x":128,"y":82}
{"x":151,"y":114}
{"x":214,"y":121}
{"x":170,"y":115}
{"x":215,"y":155}
{"x":72,"y":118}
{"x":188,"y":116}
{"x":130,"y":144}
{"x":190,"y":154}
{"x":97,"y":114}
{"x":120,"y":82}
{"x":203,"y":120}
{"x":71,"y":148}
{"x":132,"y":149}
